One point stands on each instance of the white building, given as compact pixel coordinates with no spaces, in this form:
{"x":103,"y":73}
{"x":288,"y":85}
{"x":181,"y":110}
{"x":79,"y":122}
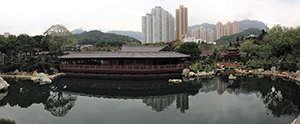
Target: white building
{"x":210,"y":35}
{"x":158,"y":26}
{"x":190,"y":38}
{"x":206,"y":35}
{"x":6,"y":34}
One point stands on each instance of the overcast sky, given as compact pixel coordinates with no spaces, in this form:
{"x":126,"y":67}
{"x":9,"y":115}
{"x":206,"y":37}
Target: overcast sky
{"x":33,"y":17}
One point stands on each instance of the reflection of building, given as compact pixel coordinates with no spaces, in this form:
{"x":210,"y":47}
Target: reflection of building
{"x":159,"y":103}
{"x":211,"y":84}
{"x":182,"y":102}
{"x":221,"y":87}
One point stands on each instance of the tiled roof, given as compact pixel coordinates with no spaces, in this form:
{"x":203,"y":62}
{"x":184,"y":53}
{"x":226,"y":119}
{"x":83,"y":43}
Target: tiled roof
{"x":131,"y":48}
{"x":118,"y":55}
{"x":232,"y":48}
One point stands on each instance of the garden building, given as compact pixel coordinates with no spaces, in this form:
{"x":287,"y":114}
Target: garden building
{"x":228,"y":59}
{"x":130,"y":60}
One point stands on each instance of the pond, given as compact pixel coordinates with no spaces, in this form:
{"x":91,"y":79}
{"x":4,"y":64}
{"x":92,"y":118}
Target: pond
{"x":216,"y":99}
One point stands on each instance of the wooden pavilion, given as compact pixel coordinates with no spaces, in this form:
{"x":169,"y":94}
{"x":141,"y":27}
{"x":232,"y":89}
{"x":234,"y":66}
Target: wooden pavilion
{"x":130,"y":60}
{"x":228,"y":58}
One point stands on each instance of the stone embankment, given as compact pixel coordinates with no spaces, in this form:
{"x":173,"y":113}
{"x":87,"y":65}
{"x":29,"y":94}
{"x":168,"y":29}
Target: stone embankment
{"x":188,"y":73}
{"x":25,"y":76}
{"x":294,"y":76}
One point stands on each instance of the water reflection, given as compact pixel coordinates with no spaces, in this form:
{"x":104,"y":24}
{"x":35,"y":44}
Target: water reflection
{"x":26,"y":93}
{"x":280,"y":97}
{"x":182,"y":102}
{"x":59,"y":103}
{"x":158,"y":94}
{"x":159,"y":103}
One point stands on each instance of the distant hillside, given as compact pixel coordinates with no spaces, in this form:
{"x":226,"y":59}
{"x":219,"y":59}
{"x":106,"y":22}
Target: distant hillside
{"x":244,"y":24}
{"x":205,"y":25}
{"x":232,"y":38}
{"x":77,"y":31}
{"x":134,"y":34}
{"x":92,"y":37}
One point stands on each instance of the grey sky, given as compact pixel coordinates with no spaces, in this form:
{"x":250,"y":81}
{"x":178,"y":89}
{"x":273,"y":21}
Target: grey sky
{"x":33,"y":17}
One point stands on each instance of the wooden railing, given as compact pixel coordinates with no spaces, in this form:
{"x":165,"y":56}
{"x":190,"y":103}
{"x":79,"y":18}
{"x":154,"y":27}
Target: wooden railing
{"x":121,"y":68}
{"x":228,"y":64}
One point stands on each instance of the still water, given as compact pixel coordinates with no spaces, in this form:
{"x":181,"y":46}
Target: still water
{"x":247,"y":100}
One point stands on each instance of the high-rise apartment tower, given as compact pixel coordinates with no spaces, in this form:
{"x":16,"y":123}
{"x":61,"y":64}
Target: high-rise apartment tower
{"x":235,"y":27}
{"x":181,"y":22}
{"x":158,"y":26}
{"x":220,"y":30}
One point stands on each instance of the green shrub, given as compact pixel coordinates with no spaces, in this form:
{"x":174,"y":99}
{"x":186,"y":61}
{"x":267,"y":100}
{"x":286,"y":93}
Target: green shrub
{"x":6,"y":121}
{"x":10,"y":73}
{"x":267,"y":66}
{"x":288,"y":66}
{"x":188,"y":62}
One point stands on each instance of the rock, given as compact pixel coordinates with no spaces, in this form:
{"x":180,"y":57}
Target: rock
{"x":285,"y":73}
{"x":42,"y":78}
{"x":260,"y":70}
{"x":3,"y":94}
{"x":230,"y":82}
{"x":273,"y":69}
{"x":296,"y":121}
{"x":16,"y":71}
{"x":273,"y":78}
{"x":191,"y":74}
{"x":260,"y":76}
{"x":248,"y":69}
{"x":297,"y":74}
{"x":203,"y":73}
{"x":251,"y":72}
{"x":176,"y":81}
{"x":185,"y":72}
{"x":191,"y":79}
{"x":231,"y":77}
{"x":34,"y":73}
{"x":3,"y":84}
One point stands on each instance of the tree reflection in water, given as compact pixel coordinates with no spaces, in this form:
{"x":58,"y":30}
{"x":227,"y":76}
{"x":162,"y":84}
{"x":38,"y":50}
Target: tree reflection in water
{"x":59,"y":103}
{"x":280,"y":97}
{"x":26,"y":93}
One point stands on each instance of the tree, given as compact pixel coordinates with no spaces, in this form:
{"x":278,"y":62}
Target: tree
{"x":59,"y":36}
{"x":248,"y":47}
{"x":25,"y":44}
{"x":2,"y":43}
{"x":264,"y":51}
{"x":283,"y":40}
{"x":189,"y":48}
{"x":237,"y":39}
{"x":11,"y":46}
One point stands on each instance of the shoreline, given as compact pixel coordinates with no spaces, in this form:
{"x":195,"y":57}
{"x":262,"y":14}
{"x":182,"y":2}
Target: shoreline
{"x":28,"y":77}
{"x":295,"y":77}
